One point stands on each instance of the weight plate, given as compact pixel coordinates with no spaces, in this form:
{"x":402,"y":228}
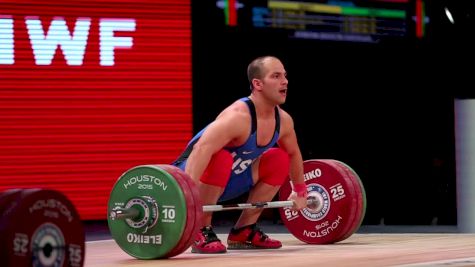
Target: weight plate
{"x":361,"y":198}
{"x":325,"y":222}
{"x":357,"y":199}
{"x":191,"y":210}
{"x":8,"y":197}
{"x":136,"y":236}
{"x":198,"y":209}
{"x":42,"y":228}
{"x":8,"y":201}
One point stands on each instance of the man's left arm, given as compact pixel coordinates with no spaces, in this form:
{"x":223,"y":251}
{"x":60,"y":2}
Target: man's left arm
{"x":288,"y":142}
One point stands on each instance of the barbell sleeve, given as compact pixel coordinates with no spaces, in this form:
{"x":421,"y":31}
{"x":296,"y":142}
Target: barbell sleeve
{"x":122,"y":214}
{"x":130,"y":213}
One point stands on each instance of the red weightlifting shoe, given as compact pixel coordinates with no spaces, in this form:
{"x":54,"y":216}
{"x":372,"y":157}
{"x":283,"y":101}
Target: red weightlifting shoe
{"x":251,"y":237}
{"x":207,"y":242}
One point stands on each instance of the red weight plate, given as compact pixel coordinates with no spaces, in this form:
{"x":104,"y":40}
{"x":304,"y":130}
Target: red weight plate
{"x":190,"y":210}
{"x":198,"y":209}
{"x":42,"y":228}
{"x":353,"y":194}
{"x":357,"y":197}
{"x":8,"y":201}
{"x":363,"y":194}
{"x":7,"y":198}
{"x":325,"y":222}
{"x":361,"y":199}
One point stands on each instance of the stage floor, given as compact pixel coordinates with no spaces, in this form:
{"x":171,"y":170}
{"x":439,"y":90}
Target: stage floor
{"x":361,"y":249}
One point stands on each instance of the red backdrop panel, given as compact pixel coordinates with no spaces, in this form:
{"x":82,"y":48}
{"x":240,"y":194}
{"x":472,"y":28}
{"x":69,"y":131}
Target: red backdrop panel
{"x":89,"y":89}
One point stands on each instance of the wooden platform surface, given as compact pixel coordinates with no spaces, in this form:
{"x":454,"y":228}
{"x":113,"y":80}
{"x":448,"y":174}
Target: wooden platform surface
{"x":425,"y":249}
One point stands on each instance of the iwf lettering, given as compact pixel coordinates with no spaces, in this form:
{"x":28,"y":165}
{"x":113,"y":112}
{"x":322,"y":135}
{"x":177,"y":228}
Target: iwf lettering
{"x":145,"y":179}
{"x":72,"y":44}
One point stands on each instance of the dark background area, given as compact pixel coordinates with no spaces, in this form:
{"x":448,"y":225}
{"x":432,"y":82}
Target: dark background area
{"x":386,"y":109}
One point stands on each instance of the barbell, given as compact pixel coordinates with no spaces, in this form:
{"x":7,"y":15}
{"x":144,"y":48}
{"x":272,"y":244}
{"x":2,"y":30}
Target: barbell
{"x":154,"y":211}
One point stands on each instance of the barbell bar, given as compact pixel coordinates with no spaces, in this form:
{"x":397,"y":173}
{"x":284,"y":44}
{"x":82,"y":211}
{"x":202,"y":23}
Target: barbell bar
{"x":132,"y":213}
{"x":154,"y":211}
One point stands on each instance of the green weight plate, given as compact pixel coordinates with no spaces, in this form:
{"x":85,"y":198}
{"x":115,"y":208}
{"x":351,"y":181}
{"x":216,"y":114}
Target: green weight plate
{"x":133,"y":235}
{"x":191,"y":213}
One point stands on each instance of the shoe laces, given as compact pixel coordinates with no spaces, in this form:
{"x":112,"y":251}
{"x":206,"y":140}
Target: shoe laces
{"x":209,"y":234}
{"x":254,"y":230}
{"x":257,"y":230}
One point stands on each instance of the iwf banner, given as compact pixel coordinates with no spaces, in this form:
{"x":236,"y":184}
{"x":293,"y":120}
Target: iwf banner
{"x":89,"y":89}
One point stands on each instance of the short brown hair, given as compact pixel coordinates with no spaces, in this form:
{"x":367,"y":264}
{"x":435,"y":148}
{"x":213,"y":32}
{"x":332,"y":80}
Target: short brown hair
{"x":255,"y":69}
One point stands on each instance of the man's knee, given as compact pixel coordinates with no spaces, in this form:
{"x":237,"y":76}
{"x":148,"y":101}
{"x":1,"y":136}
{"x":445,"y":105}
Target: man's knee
{"x":219,"y":169}
{"x":274,"y":167}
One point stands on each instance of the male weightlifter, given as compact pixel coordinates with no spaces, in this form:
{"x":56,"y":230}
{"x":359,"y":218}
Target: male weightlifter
{"x":252,"y":147}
